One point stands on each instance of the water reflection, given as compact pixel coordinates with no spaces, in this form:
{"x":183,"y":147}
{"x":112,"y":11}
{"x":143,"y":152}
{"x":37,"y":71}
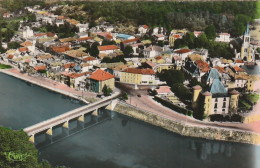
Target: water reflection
{"x":126,"y":142}
{"x":209,"y":149}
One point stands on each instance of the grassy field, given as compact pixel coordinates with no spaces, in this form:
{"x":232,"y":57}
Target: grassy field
{"x":3,"y":66}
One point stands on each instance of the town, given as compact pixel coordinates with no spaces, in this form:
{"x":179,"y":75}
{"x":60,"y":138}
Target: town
{"x":97,"y":59}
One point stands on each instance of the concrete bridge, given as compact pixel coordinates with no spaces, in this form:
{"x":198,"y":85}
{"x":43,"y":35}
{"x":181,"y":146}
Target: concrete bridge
{"x":63,"y":119}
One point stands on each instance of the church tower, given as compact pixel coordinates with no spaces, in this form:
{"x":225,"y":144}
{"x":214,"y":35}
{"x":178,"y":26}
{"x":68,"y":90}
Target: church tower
{"x":247,"y":52}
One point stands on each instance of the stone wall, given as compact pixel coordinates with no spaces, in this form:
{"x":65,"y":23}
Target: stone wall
{"x":186,"y":129}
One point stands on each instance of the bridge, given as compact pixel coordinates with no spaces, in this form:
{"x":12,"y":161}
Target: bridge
{"x":63,"y":119}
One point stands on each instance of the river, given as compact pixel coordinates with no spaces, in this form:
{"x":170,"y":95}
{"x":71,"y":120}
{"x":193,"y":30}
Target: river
{"x":121,"y":142}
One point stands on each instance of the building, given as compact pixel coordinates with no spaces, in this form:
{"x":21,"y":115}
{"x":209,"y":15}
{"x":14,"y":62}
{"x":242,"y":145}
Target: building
{"x":152,"y":51}
{"x":223,"y":37}
{"x":107,"y":49}
{"x":216,"y":98}
{"x":143,"y":29}
{"x":138,"y":76}
{"x":101,"y":78}
{"x":247,"y":51}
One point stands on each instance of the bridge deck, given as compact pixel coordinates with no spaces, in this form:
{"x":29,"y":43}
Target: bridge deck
{"x":60,"y":119}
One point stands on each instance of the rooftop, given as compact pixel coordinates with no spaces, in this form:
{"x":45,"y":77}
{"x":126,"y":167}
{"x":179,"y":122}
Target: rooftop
{"x":101,"y":75}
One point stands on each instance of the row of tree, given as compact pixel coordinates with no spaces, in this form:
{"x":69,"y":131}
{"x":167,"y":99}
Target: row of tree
{"x":225,"y":16}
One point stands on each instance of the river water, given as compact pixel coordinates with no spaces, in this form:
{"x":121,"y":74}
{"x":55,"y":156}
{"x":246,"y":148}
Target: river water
{"x":121,"y":142}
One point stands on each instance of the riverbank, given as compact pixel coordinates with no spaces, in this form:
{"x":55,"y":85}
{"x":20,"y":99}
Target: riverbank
{"x":86,"y":97}
{"x":187,"y":129}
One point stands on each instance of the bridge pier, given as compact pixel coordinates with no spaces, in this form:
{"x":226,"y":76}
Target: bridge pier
{"x":31,"y":139}
{"x":48,"y":135}
{"x":65,"y":128}
{"x":80,"y":121}
{"x":95,"y":113}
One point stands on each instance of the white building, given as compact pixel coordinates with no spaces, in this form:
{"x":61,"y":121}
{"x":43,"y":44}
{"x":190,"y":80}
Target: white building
{"x":143,"y":29}
{"x":27,"y":32}
{"x":223,"y":37}
{"x":152,"y":51}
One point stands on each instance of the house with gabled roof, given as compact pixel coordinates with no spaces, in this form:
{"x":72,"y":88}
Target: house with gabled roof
{"x":99,"y":79}
{"x":107,"y":49}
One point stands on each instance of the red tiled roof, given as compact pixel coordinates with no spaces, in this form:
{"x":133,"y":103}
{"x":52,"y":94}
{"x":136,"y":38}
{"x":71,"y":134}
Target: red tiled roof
{"x":220,"y":69}
{"x":176,"y":36}
{"x":131,"y":40}
{"x":203,"y":66}
{"x":60,"y":49}
{"x":197,"y":87}
{"x":239,"y":61}
{"x":164,"y":89}
{"x":140,"y":71}
{"x":69,"y":65}
{"x":107,"y":47}
{"x":23,"y":49}
{"x":26,"y":44}
{"x":6,"y":14}
{"x":75,"y":75}
{"x":84,"y":38}
{"x":234,"y":92}
{"x":206,"y":94}
{"x":238,"y":69}
{"x":62,"y":17}
{"x":145,"y":26}
{"x":90,"y":58}
{"x":182,"y":51}
{"x":101,"y":75}
{"x":159,"y":57}
{"x":10,"y":56}
{"x":109,"y":36}
{"x":50,"y":34}
{"x":38,"y":68}
{"x":40,"y":34}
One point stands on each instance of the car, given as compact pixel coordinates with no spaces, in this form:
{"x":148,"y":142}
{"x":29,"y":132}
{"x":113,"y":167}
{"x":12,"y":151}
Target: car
{"x":139,"y":95}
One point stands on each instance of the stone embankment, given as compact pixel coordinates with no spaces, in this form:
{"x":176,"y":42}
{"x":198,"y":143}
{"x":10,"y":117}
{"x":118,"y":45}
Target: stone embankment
{"x":44,"y":86}
{"x":186,"y":129}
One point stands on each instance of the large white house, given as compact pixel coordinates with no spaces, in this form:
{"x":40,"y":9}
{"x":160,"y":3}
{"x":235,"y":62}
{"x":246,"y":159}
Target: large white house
{"x":223,"y":37}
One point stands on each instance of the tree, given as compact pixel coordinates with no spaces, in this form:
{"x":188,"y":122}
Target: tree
{"x":125,"y":96}
{"x":172,"y":76}
{"x":181,"y":91}
{"x":13,"y":45}
{"x":160,"y":43}
{"x":210,"y":32}
{"x":106,"y":90}
{"x":202,"y":41}
{"x":128,"y":50}
{"x":17,"y":151}
{"x":94,"y":50}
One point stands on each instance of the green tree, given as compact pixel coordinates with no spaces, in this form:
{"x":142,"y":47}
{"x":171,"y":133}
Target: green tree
{"x":14,"y":144}
{"x":172,"y":76}
{"x":210,"y":32}
{"x":128,"y":50}
{"x":94,"y":50}
{"x":202,"y":41}
{"x":13,"y":45}
{"x":181,"y":91}
{"x":106,"y":90}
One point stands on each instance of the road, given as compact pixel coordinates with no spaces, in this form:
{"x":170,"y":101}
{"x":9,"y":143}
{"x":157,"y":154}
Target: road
{"x":147,"y":103}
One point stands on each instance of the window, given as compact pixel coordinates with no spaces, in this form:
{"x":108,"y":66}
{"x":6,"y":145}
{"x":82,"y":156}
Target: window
{"x":224,"y":105}
{"x":216,"y":105}
{"x":224,"y":99}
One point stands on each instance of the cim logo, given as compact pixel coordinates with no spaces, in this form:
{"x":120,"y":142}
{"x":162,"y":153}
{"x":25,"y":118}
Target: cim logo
{"x":11,"y":156}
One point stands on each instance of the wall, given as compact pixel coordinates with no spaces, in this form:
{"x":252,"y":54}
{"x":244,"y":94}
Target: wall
{"x":186,"y":129}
